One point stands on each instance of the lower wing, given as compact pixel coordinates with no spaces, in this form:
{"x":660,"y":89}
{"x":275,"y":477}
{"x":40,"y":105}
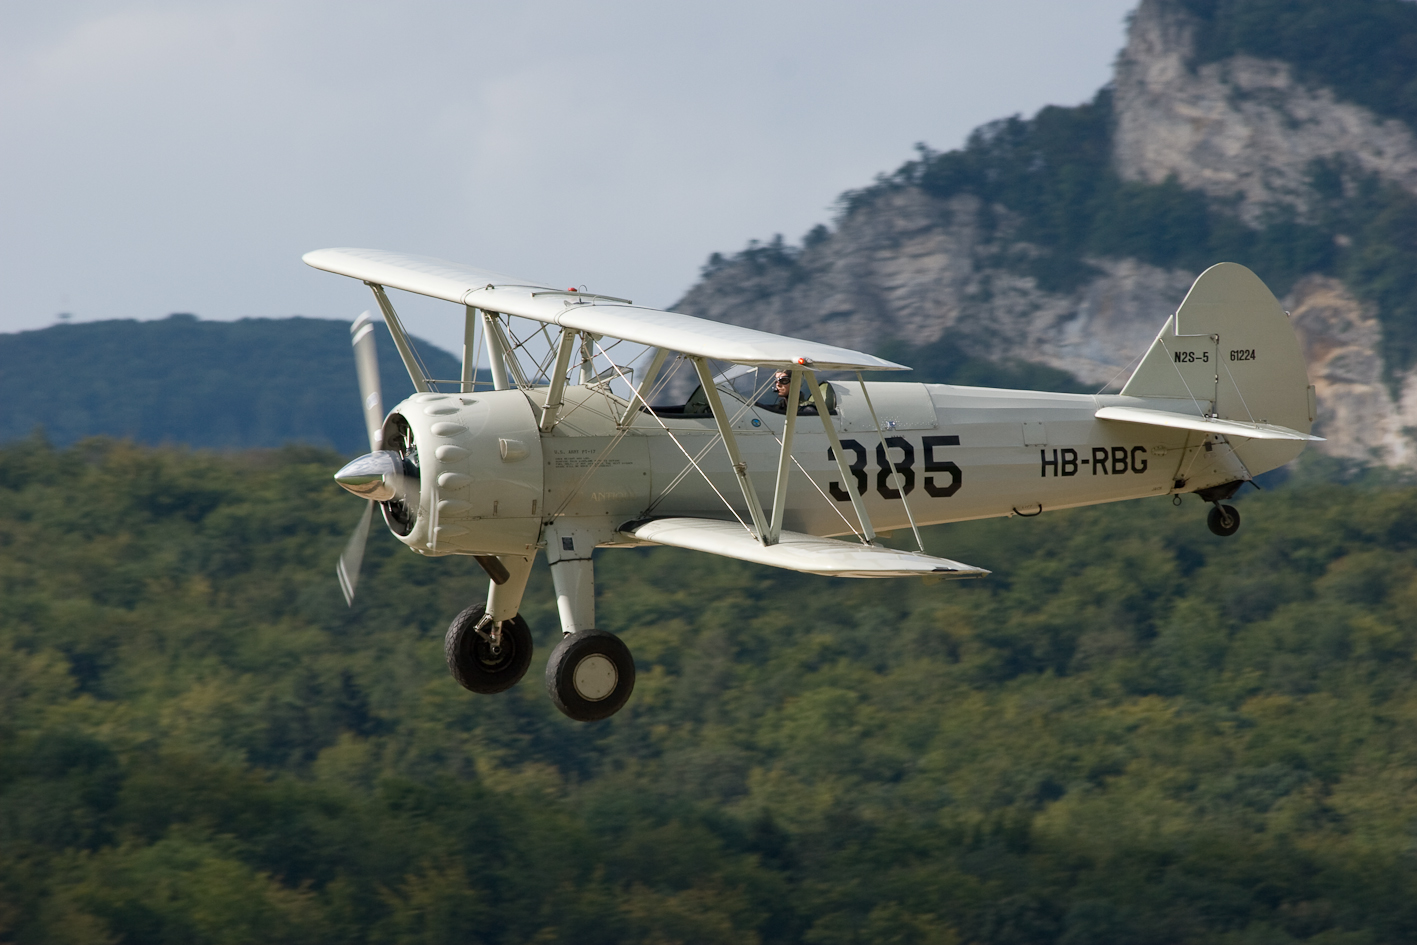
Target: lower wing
{"x":796,"y":551}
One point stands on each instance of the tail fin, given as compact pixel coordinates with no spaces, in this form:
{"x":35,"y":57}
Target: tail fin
{"x":1230,"y":351}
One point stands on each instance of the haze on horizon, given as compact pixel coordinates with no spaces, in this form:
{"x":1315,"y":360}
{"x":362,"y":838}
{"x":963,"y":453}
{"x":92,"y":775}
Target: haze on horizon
{"x":162,"y":156}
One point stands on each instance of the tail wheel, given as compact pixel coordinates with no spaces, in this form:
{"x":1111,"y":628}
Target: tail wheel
{"x":484,"y":661}
{"x":590,"y":675}
{"x":1224,"y":520}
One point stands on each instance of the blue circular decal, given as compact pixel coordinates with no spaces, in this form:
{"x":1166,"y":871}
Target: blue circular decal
{"x":757,"y":422}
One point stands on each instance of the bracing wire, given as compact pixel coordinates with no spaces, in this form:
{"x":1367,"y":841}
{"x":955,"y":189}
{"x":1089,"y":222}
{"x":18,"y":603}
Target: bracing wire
{"x":713,"y":441}
{"x":670,"y":432}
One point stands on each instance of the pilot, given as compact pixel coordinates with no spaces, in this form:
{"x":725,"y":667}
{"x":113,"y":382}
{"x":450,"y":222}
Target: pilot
{"x":782,"y":382}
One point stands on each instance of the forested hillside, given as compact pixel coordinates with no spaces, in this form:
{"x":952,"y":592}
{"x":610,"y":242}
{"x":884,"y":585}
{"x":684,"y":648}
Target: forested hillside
{"x":1364,"y":51}
{"x":257,"y":382}
{"x":1134,"y":731}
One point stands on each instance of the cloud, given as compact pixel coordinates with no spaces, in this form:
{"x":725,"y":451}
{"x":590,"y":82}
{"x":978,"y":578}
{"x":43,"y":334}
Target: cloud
{"x":175,"y":156}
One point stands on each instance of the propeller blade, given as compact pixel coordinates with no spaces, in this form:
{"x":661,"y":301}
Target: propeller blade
{"x":366,"y":362}
{"x":353,"y":557}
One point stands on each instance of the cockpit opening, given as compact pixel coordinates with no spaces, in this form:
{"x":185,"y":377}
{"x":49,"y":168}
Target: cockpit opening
{"x":775,"y":401}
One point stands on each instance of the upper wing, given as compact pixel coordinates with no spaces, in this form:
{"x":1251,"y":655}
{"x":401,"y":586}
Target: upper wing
{"x":796,"y":551}
{"x":596,"y":314}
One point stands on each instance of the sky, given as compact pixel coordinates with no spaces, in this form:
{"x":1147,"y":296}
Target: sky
{"x":161,"y":157}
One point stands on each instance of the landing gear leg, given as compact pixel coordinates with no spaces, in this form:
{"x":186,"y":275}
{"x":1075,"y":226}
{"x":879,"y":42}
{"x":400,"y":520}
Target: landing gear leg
{"x":488,"y":646}
{"x":1224,"y":520}
{"x":590,"y":674}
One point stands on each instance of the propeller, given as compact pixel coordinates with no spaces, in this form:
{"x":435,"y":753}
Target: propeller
{"x":360,"y":476}
{"x":381,"y":475}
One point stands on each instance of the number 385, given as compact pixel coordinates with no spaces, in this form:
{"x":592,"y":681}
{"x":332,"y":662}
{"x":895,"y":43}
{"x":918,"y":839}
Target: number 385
{"x":939,"y":487}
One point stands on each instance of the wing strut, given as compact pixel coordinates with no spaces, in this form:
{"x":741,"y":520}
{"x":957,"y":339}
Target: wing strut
{"x":730,"y":443}
{"x":391,"y":318}
{"x":558,"y":379}
{"x":502,"y":354}
{"x":646,"y":384}
{"x":469,"y":349}
{"x":846,"y":479}
{"x":784,"y":459}
{"x":496,"y":362}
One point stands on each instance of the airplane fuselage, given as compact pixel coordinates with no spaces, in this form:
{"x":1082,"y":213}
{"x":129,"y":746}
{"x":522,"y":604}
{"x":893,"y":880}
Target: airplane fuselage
{"x":491,"y":480}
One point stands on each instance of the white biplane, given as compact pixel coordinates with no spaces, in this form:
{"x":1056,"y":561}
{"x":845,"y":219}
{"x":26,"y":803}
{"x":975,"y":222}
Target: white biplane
{"x":569,"y":452}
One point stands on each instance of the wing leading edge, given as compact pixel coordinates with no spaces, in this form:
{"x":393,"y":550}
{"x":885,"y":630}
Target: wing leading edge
{"x":494,"y":292}
{"x":796,"y":551}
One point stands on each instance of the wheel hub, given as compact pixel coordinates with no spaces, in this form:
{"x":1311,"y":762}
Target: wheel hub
{"x":490,"y":650}
{"x":595,"y":677}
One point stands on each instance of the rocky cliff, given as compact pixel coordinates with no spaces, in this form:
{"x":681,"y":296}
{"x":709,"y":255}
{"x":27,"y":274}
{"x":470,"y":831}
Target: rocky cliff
{"x":1243,"y":128}
{"x":921,"y":258}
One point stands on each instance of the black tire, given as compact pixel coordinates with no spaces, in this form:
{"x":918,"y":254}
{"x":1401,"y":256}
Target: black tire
{"x":590,"y":675}
{"x":471,"y":659}
{"x":1224,"y":520}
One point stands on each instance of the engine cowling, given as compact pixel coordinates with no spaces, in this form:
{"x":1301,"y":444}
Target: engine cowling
{"x":480,"y":473}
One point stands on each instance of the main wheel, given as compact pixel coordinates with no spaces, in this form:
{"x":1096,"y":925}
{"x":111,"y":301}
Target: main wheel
{"x":478,"y":665}
{"x":590,"y":675}
{"x":1224,"y":520}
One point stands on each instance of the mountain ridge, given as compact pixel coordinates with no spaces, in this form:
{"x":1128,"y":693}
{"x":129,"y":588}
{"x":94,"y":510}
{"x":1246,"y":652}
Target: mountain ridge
{"x":256,"y":382}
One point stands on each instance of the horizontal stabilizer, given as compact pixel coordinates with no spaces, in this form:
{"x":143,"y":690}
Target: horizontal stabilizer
{"x":1185,"y":421}
{"x":796,"y":551}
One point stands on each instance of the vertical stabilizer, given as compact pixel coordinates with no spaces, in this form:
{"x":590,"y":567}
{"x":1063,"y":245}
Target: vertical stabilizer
{"x":1230,"y":352}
